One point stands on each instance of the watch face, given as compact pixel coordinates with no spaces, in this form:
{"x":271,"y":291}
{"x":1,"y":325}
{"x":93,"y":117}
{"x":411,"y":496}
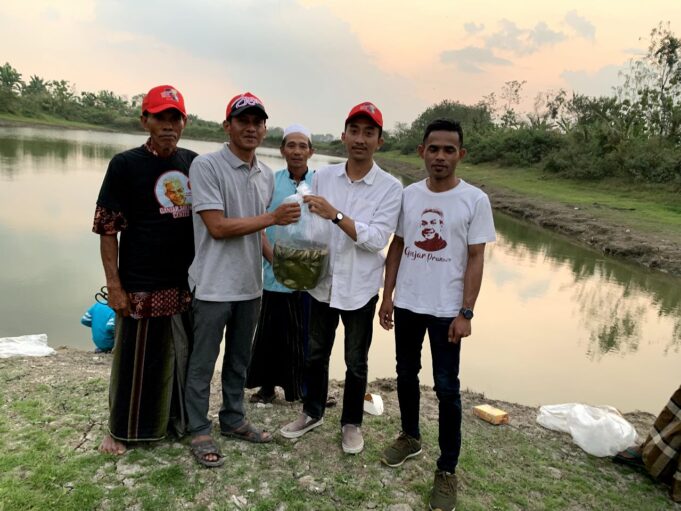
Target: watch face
{"x":467,"y":313}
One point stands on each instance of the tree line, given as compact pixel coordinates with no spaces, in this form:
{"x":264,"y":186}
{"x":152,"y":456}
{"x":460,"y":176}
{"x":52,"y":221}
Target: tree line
{"x":634,"y":133}
{"x":41,"y":99}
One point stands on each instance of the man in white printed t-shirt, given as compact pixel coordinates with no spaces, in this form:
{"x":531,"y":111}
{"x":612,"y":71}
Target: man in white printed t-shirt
{"x":434,"y":266}
{"x":363,"y":202}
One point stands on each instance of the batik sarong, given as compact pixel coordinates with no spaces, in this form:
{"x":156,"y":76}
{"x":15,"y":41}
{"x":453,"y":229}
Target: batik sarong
{"x":146,"y":392}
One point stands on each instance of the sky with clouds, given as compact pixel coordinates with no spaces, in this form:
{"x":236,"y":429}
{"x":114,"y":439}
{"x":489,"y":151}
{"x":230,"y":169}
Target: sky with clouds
{"x":311,"y":60}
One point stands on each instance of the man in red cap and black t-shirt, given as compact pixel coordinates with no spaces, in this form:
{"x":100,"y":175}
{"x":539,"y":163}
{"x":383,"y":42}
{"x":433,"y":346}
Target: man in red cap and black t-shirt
{"x":146,"y":275}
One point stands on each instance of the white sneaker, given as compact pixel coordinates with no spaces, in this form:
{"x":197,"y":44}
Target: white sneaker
{"x":353,"y":442}
{"x":300,"y":426}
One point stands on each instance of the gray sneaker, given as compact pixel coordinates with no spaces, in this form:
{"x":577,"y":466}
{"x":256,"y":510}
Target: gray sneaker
{"x":443,"y":495}
{"x":401,"y":450}
{"x":353,"y":442}
{"x":300,"y":426}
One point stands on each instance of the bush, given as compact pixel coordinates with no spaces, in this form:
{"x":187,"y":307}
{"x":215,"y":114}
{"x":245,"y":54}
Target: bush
{"x":643,"y":160}
{"x":652,"y":160}
{"x":9,"y":103}
{"x":514,"y":147}
{"x":572,"y":163}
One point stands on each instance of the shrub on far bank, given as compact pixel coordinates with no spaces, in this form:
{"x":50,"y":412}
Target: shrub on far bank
{"x":642,"y":160}
{"x":514,"y":147}
{"x":652,"y":160}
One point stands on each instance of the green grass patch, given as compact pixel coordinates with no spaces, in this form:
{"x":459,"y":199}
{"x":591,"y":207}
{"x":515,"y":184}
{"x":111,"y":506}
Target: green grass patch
{"x":505,"y":468}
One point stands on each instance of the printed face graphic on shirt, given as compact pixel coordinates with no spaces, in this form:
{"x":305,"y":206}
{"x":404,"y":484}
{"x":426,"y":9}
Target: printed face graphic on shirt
{"x":173,"y":193}
{"x":431,"y":226}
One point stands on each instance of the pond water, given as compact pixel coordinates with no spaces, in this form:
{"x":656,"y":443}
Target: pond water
{"x":554,"y":323}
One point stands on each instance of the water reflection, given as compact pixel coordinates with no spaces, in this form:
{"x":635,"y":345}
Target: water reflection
{"x":22,"y":151}
{"x":613,"y":296}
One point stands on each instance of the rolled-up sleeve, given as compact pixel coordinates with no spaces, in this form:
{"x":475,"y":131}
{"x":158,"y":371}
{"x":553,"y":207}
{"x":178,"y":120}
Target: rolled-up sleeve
{"x":374,"y":236}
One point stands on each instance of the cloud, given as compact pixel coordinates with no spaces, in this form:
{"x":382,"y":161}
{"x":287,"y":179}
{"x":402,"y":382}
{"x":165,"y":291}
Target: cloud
{"x":542,"y":35}
{"x":280,"y":50}
{"x":522,"y":41}
{"x":509,"y":38}
{"x":471,"y":59}
{"x":473,"y":28}
{"x":595,"y":83}
{"x":581,"y":25}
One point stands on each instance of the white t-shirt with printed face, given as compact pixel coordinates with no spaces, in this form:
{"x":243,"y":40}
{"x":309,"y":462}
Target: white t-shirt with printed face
{"x":437,"y":229}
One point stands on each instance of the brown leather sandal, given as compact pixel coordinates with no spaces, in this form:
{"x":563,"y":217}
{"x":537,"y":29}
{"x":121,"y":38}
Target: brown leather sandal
{"x":250,"y":433}
{"x":205,"y":447}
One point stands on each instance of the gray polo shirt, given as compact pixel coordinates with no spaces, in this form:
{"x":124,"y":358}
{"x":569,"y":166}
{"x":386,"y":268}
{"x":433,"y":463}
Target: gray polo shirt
{"x":227,"y":270}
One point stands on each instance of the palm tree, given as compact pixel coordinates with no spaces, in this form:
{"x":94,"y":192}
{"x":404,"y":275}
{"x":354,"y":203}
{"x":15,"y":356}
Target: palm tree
{"x":10,"y":79}
{"x":35,"y":86}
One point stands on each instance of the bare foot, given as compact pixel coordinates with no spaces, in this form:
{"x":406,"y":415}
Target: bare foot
{"x":210,"y":457}
{"x":110,"y":445}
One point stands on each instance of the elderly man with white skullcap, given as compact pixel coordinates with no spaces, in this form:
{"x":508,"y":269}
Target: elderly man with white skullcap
{"x":279,"y":346}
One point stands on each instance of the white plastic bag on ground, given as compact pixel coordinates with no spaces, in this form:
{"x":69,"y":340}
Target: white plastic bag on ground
{"x":373,"y":404}
{"x":599,"y":430}
{"x":34,"y":345}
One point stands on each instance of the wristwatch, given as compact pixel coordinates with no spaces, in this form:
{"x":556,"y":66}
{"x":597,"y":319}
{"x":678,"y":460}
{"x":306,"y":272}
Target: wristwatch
{"x":466,"y":312}
{"x":339,"y":216}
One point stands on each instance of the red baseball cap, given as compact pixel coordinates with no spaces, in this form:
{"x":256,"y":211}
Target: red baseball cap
{"x":369,"y":110}
{"x":162,"y":98}
{"x":242,"y":102}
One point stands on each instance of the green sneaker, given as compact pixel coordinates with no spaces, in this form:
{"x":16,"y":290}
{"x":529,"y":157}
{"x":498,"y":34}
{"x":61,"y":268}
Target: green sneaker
{"x":443,"y":496}
{"x":401,"y":450}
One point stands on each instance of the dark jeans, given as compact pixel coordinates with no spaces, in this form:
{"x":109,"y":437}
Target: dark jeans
{"x":210,"y":320}
{"x":410,"y":330}
{"x":358,"y":331}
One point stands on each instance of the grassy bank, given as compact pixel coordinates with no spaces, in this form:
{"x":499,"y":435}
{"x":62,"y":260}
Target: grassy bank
{"x":47,"y":121}
{"x":194,"y":132}
{"x":53,"y":413}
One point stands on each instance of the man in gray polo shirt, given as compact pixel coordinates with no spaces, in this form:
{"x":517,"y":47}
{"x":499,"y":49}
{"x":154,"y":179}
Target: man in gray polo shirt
{"x":231,"y":190}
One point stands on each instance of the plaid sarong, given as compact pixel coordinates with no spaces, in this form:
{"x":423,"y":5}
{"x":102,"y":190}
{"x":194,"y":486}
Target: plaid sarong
{"x":662,"y":449}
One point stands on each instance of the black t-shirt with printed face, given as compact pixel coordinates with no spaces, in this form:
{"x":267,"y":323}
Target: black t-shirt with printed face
{"x":154,"y":196}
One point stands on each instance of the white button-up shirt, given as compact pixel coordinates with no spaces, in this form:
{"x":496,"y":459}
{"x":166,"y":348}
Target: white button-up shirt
{"x":356,"y":267}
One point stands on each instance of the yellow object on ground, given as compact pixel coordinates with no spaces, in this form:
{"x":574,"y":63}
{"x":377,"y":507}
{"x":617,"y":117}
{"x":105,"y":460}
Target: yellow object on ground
{"x":490,"y":414}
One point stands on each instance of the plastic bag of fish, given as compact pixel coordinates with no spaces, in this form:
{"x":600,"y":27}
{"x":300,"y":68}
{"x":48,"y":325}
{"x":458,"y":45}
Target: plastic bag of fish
{"x":301,"y":251}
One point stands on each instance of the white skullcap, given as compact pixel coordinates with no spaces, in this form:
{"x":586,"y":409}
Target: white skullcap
{"x":298,"y":128}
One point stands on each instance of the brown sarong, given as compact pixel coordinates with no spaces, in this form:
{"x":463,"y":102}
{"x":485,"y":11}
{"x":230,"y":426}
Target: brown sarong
{"x":146,"y":393}
{"x":662,"y":449}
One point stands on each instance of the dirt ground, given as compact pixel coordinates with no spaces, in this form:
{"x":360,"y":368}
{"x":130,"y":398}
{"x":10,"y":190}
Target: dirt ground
{"x":71,"y":363}
{"x":61,"y":400}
